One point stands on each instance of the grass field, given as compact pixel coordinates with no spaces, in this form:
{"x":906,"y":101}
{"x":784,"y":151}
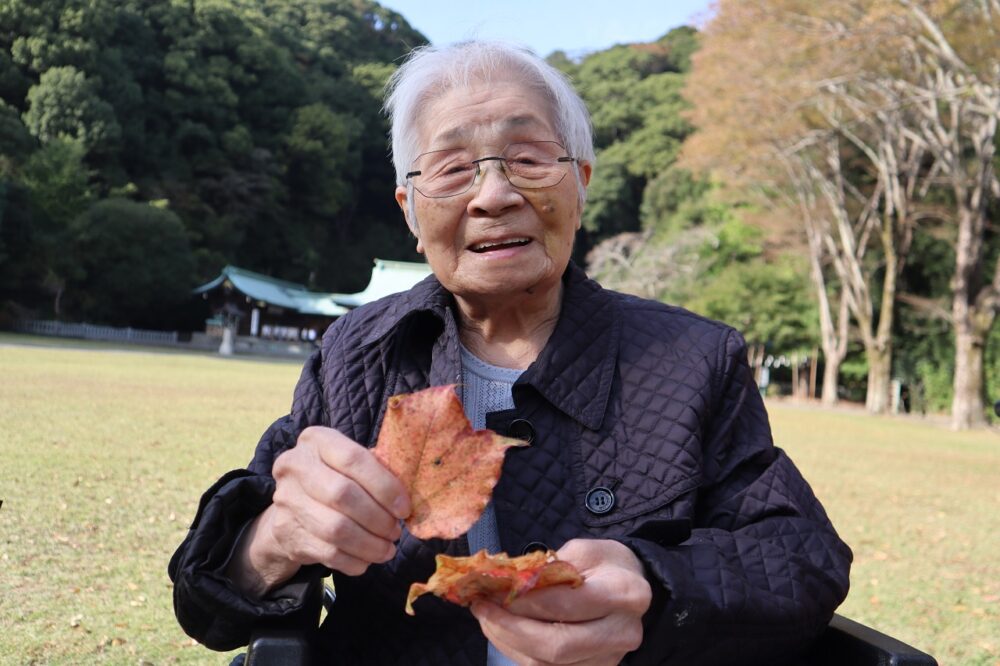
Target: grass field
{"x":105,"y":452}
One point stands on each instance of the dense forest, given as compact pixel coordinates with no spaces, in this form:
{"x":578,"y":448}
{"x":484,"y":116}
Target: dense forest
{"x":820,"y":175}
{"x":147,"y":144}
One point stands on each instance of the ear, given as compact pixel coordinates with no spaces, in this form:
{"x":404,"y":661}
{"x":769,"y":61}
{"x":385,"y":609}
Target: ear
{"x":584,"y":170}
{"x":402,"y":199}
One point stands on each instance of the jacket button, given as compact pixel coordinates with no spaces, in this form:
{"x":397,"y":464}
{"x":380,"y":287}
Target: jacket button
{"x":600,"y":500}
{"x":534,"y":546}
{"x":522,"y":429}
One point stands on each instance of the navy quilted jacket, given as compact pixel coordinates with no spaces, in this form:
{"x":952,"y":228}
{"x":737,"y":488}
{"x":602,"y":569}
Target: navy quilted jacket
{"x":646,"y":427}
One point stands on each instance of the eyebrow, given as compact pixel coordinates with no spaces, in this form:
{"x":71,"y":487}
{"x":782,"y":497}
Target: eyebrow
{"x":513,"y":122}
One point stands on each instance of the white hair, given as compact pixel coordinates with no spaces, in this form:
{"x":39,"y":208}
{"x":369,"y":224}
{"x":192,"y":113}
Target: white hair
{"x":430,"y":71}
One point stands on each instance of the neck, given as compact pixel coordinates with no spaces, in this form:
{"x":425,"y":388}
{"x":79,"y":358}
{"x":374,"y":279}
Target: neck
{"x":509,"y":332}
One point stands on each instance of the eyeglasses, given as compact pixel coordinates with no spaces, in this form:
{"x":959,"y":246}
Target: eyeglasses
{"x":527,"y":165}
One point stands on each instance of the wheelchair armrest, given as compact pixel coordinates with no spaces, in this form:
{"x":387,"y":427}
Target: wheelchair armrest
{"x":271,"y":647}
{"x":846,"y":642}
{"x":278,"y":648}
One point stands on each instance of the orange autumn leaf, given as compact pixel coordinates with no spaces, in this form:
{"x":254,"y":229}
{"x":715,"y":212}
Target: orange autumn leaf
{"x":498,"y":578}
{"x":448,"y":468}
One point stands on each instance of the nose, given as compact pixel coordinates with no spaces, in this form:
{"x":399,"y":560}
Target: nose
{"x":493,"y":193}
{"x":483,"y":165}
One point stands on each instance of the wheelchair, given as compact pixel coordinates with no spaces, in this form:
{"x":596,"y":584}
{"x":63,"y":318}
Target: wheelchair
{"x":844,"y":643}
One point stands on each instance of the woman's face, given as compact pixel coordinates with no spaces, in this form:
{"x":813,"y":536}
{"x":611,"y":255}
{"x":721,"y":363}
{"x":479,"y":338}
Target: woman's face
{"x":494,"y":240}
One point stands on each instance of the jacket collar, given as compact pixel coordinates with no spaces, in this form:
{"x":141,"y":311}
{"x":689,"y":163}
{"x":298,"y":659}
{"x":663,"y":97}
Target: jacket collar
{"x":575,"y":369}
{"x":426,"y":296}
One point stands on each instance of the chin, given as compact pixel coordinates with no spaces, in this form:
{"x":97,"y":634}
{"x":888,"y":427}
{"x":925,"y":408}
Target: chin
{"x":513,"y":282}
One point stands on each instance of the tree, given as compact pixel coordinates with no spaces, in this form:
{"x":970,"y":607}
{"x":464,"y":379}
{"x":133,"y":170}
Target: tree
{"x":20,"y":273}
{"x":257,"y":122}
{"x":857,"y":216}
{"x":953,"y":91}
{"x":820,"y":123}
{"x":322,"y":148}
{"x":64,"y":103}
{"x":768,"y":302}
{"x":688,"y":242}
{"x":135,"y":264}
{"x":16,"y":141}
{"x":59,"y":185}
{"x":634,"y":95}
{"x":59,"y":180}
{"x":704,"y":258}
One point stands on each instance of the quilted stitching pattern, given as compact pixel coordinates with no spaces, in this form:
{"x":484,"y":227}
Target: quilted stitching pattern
{"x":650,"y":401}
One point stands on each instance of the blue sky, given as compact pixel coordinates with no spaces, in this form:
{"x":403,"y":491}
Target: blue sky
{"x":575,"y":26}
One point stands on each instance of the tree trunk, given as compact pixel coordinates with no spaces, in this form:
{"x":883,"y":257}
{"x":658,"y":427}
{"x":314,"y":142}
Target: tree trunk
{"x":879,"y":349}
{"x":879,"y":378}
{"x":831,"y":378}
{"x":795,"y":377}
{"x":755,"y":357}
{"x":834,"y":343}
{"x":833,"y":340}
{"x":974,"y":299}
{"x":57,"y":303}
{"x":813,"y":362}
{"x":967,"y":405}
{"x":833,"y":334}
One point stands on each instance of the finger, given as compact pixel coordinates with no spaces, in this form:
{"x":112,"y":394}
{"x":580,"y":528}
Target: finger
{"x":317,"y":551}
{"x":300,"y":477}
{"x":483,"y":612}
{"x":614,"y":581}
{"x":531,"y":641}
{"x":561,"y":603}
{"x":355,"y":461}
{"x":325,"y":533}
{"x":587,"y":554}
{"x":336,"y":491}
{"x":606,"y":591}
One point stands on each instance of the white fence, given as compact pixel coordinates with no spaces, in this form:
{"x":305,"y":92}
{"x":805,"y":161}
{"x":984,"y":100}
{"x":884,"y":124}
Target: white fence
{"x":91,"y":332}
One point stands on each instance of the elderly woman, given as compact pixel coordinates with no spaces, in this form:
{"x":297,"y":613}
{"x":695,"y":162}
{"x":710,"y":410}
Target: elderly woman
{"x":651,"y":466}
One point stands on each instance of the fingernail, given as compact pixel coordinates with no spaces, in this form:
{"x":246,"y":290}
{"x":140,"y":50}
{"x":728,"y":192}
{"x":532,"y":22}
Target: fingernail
{"x":400,"y":508}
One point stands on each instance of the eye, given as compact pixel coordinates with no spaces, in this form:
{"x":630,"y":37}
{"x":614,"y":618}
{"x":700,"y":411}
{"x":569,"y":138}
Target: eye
{"x":527,"y":155}
{"x":460,"y":168}
{"x":451,"y":169}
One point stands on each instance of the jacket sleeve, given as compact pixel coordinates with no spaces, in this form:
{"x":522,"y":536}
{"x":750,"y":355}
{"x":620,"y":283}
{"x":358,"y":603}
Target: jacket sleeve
{"x":208,"y":606}
{"x":763,"y":570}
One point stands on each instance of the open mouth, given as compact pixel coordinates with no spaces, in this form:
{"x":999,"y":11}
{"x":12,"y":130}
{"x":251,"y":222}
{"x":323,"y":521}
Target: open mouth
{"x":492,"y":246}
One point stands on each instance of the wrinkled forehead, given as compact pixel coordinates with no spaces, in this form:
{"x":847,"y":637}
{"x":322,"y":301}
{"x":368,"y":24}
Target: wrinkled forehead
{"x":514,"y":127}
{"x":484,"y":113}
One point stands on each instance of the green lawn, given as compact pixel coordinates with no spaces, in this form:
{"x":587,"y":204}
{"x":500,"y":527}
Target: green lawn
{"x":105,"y":452}
{"x":104,"y":456}
{"x":920,"y":506}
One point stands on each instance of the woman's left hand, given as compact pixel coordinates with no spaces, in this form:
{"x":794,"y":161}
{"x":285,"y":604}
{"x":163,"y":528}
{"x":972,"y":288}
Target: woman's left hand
{"x":596,"y":623}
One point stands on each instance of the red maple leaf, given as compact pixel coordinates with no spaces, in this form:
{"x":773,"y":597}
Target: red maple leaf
{"x":449,"y":468}
{"x":499,"y":578}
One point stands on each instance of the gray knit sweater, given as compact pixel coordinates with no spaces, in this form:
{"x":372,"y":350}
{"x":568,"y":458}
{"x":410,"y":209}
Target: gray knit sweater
{"x":486,"y":388}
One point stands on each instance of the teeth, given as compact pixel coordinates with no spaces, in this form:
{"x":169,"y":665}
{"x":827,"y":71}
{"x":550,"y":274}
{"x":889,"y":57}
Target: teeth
{"x":488,"y":245}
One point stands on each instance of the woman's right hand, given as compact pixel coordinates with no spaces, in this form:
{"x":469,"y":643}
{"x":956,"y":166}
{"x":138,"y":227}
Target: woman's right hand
{"x":334,"y":504}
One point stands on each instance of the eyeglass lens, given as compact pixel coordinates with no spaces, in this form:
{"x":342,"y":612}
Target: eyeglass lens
{"x":529,"y":165}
